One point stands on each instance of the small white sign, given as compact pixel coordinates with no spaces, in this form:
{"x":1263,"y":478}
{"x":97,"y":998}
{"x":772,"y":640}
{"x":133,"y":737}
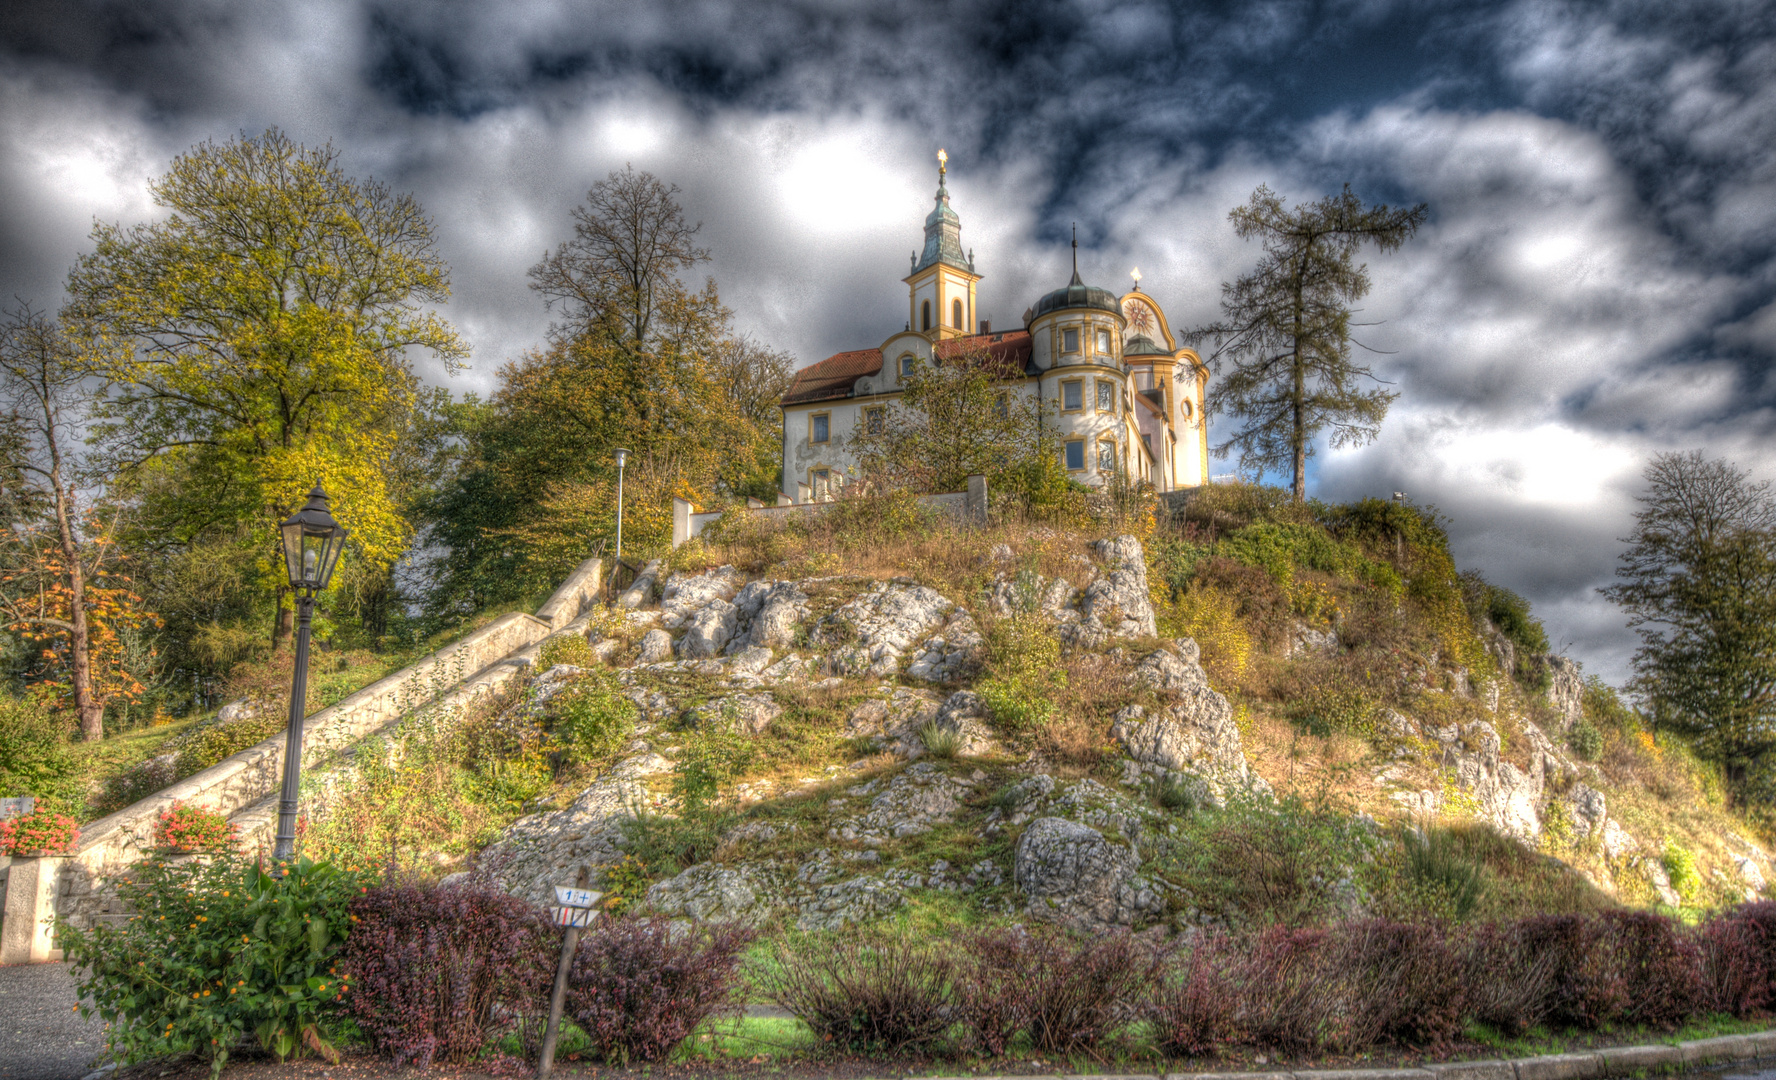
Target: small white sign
{"x":573,"y":916}
{"x":577,"y":898}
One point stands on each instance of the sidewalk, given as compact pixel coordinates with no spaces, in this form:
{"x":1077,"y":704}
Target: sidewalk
{"x":41,"y":1036}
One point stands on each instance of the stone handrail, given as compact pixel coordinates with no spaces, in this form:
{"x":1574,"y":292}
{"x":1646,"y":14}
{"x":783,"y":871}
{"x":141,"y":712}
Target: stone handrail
{"x":112,"y":843}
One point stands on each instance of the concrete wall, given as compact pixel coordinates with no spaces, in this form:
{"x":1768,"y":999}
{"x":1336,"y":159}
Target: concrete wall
{"x":971,"y":505}
{"x":477,"y":663}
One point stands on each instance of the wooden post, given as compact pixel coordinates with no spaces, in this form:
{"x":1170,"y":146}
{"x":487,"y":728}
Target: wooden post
{"x":570,"y":942}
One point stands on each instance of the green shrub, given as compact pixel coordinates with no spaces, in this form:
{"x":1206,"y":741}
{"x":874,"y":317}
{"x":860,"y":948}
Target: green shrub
{"x":1280,"y":550}
{"x":713,"y":757}
{"x":1585,"y":741}
{"x":1259,"y":862}
{"x":35,"y":758}
{"x":571,"y":649}
{"x":1023,"y":664}
{"x":940,"y":742}
{"x":1680,"y":867}
{"x":593,"y":718}
{"x":1436,"y":864}
{"x":218,"y":952}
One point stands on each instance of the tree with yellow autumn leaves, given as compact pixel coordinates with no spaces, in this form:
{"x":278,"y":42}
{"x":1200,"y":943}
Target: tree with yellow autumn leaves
{"x":266,"y":324}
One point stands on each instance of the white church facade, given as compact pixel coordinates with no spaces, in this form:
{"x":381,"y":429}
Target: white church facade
{"x":1104,"y":370}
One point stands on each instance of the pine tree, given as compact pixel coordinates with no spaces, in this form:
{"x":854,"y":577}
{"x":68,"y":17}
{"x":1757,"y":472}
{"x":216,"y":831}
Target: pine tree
{"x":1285,"y":334}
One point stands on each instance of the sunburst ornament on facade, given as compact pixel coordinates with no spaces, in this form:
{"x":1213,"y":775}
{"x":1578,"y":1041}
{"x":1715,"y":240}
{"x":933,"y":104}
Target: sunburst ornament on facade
{"x":1139,"y":315}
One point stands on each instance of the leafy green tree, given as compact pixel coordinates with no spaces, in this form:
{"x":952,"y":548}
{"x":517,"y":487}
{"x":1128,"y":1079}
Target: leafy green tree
{"x":273,"y":313}
{"x":960,"y":416}
{"x":1698,"y":581}
{"x":641,"y":358}
{"x":1285,"y":334}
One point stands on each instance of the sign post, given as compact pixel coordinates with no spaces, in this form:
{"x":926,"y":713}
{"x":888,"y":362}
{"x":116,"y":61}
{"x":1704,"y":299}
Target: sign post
{"x":573,"y":910}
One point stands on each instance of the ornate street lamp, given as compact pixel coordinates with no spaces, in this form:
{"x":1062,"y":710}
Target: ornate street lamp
{"x":622,"y":459}
{"x":312,"y":543}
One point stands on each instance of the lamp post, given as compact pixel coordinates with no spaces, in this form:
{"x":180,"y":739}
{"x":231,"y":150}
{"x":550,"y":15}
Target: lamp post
{"x":622,"y":459}
{"x":312,"y":542}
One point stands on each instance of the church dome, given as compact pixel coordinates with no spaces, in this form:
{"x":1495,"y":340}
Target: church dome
{"x":1142,"y":345}
{"x":1077,"y":294}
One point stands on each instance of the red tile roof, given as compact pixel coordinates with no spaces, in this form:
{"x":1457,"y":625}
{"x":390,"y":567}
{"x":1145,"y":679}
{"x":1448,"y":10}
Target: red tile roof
{"x":1008,"y":352}
{"x":832,"y":377}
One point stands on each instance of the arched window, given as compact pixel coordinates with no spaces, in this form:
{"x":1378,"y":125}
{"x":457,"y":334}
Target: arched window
{"x":956,"y":314}
{"x":925,"y":315}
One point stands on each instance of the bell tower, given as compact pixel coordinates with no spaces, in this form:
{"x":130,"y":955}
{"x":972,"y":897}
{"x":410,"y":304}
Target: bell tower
{"x":940,"y":289}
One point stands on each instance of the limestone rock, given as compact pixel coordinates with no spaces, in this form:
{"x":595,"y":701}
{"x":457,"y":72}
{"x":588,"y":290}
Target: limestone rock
{"x":1751,"y":876}
{"x":870,"y":633}
{"x":1069,"y":873}
{"x":893,"y":723}
{"x":656,"y":647}
{"x":846,"y":902}
{"x":950,"y":655}
{"x":1306,"y":640}
{"x":550,"y":684}
{"x":707,"y":893}
{"x":1029,"y":591}
{"x":965,"y":715}
{"x":768,"y":613}
{"x":1117,"y":604}
{"x":1195,"y":734}
{"x":709,"y":629}
{"x":1616,"y":841}
{"x":685,"y":593}
{"x":748,"y":712}
{"x":244,"y":709}
{"x":1586,"y":806}
{"x":1566,"y":690}
{"x":1510,"y":797}
{"x":543,"y":850}
{"x":911,"y":802}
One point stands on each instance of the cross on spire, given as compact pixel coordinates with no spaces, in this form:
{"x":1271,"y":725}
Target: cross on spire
{"x":1076,"y":280}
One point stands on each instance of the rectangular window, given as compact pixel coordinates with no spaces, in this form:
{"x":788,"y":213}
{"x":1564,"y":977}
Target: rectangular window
{"x":1072,"y":395}
{"x":1106,"y":457}
{"x":1002,"y":406}
{"x":820,"y":481}
{"x":1106,"y":396}
{"x":818,"y":427}
{"x":1069,"y":341}
{"x":1075,"y":455}
{"x":875,"y":420}
{"x":1147,"y":441}
{"x":1103,"y":343}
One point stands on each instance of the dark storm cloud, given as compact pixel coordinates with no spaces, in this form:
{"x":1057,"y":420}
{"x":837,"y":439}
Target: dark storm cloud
{"x":1595,"y":284}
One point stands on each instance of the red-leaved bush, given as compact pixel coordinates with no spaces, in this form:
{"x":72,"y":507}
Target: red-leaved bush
{"x":1508,"y":978}
{"x":865,"y":989}
{"x":1588,"y":987}
{"x":1068,"y":993}
{"x":431,"y":965}
{"x":1399,"y":982}
{"x":1660,"y":965}
{"x":1738,"y":961}
{"x":638,"y":987}
{"x":1194,"y":1002}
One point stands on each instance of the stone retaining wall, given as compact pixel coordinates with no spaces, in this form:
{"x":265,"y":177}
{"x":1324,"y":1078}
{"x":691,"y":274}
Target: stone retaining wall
{"x":111,"y":844}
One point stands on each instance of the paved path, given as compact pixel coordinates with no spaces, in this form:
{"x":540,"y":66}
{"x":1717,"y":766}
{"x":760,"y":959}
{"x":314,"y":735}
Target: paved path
{"x":41,"y":1037}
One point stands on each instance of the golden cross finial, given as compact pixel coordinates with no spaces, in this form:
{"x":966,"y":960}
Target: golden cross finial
{"x":943,"y":162}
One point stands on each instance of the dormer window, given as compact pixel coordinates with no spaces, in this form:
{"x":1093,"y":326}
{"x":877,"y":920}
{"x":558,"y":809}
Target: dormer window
{"x":1069,"y":341}
{"x":906,"y":367}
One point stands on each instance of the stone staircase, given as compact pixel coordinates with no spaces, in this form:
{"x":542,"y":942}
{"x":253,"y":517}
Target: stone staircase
{"x":246,"y":786}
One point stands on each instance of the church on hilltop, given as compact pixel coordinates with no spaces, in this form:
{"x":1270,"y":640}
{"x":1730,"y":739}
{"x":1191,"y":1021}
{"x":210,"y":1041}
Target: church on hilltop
{"x":1106,"y":370}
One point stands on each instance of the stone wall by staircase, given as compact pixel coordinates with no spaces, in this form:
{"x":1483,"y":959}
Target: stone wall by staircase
{"x":245,"y":787}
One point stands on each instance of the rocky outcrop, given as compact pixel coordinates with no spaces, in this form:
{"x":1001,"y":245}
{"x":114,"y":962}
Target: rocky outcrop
{"x":1566,"y":690}
{"x":964,"y":717}
{"x":1193,"y":734}
{"x":655,"y":647}
{"x":909,"y":803}
{"x":708,"y":630}
{"x":1069,"y":873}
{"x":538,"y":852}
{"x":707,"y":893}
{"x":892,"y":723}
{"x":1117,"y":604}
{"x":846,"y":902}
{"x":951,"y":655}
{"x":748,"y":712}
{"x":1509,"y":796}
{"x":767,"y":615}
{"x":869,"y":634}
{"x":685,"y":593}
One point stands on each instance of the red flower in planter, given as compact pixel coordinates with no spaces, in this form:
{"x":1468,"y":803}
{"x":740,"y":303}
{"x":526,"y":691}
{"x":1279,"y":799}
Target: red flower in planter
{"x":183,"y":827}
{"x":40,"y":832}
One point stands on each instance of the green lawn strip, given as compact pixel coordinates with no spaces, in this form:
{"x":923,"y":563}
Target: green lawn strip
{"x":1539,"y":1041}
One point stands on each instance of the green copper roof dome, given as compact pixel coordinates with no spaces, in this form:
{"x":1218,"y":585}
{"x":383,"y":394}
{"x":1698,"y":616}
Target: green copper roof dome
{"x":1077,"y":294}
{"x":1142,"y":345}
